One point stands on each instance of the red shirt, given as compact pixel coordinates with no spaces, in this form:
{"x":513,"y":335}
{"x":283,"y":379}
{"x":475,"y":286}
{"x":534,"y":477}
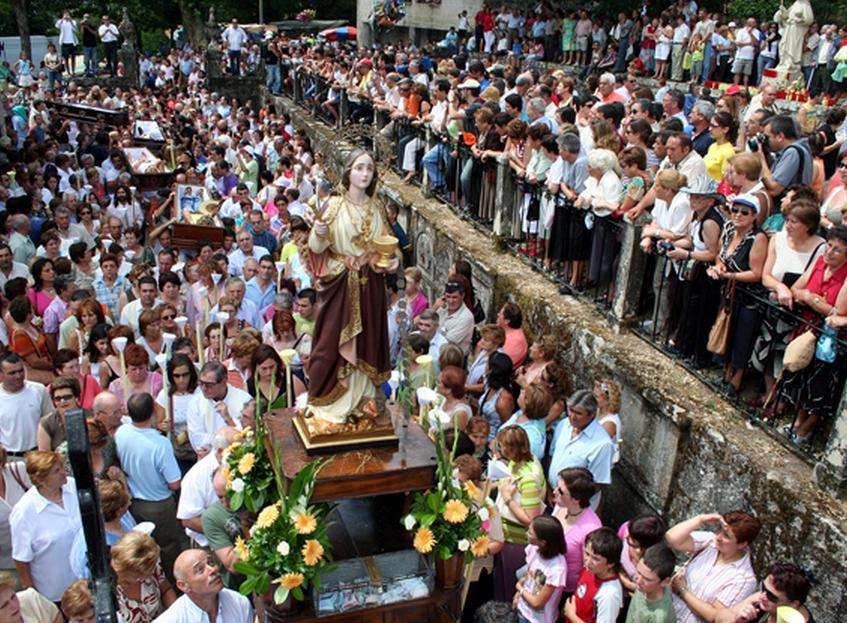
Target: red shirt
{"x":586,"y":590}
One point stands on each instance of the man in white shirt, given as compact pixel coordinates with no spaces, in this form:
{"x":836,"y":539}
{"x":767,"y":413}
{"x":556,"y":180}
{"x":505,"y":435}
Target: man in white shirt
{"x":147,"y":291}
{"x":68,"y":41}
{"x":204,"y":597}
{"x":198,"y":491}
{"x":746,"y":43}
{"x":245,"y":249}
{"x":217,"y":406}
{"x":455,"y":318}
{"x":22,"y":404}
{"x":109,"y":36}
{"x":235,"y":37}
{"x":427,"y":324}
{"x":10,"y":269}
{"x":680,"y":42}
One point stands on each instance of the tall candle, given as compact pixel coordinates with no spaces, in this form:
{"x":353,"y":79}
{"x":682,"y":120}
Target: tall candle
{"x":200,"y":348}
{"x":287,"y":357}
{"x":162,"y":360}
{"x":223,"y":318}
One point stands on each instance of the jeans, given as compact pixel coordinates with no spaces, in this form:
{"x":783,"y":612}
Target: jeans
{"x":620,"y":62}
{"x":110,"y":49}
{"x":708,"y":55}
{"x":273,"y":79}
{"x":234,"y":62}
{"x":91,"y":60}
{"x":436,"y":162}
{"x":765,"y":62}
{"x":54,"y":76}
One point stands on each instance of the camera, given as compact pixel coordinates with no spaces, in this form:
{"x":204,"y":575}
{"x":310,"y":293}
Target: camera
{"x":663,"y":246}
{"x":761,"y":139}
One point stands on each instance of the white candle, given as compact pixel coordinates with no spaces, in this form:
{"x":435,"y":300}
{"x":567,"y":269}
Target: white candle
{"x":287,"y":357}
{"x":119,"y":344}
{"x":162,"y":360}
{"x":223,"y":318}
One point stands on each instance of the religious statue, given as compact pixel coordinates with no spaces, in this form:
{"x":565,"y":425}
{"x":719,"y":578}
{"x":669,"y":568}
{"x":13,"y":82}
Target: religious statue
{"x":793,"y":23}
{"x":350,"y":250}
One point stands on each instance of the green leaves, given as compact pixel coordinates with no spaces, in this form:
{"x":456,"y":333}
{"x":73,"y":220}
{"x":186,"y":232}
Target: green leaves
{"x":236,"y":499}
{"x":281,"y":594}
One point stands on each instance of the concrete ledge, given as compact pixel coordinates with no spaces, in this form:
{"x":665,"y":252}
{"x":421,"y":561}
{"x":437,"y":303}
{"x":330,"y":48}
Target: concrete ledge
{"x":685,"y":450}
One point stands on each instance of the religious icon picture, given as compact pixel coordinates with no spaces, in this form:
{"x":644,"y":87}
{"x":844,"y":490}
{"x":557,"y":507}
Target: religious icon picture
{"x":190,"y":198}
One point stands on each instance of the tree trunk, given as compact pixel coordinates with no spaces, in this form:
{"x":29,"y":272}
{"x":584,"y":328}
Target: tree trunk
{"x":194,"y":23}
{"x":22,"y":19}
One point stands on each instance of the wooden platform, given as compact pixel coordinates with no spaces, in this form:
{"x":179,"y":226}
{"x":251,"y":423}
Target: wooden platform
{"x":410,"y":466}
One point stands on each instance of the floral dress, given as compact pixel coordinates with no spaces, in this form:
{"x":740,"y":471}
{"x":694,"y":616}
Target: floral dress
{"x":148,"y":607}
{"x":568,"y":27}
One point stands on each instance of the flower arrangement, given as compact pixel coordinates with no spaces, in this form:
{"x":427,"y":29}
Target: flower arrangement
{"x":250,"y":477}
{"x":447,"y":520}
{"x":306,"y":15}
{"x":288,"y":545}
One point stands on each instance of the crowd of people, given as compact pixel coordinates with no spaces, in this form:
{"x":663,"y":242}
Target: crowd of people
{"x":738,"y":202}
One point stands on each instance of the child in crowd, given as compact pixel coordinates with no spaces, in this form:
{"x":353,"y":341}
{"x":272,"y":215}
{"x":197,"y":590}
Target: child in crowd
{"x":540,"y":588}
{"x":652,"y":600}
{"x":598,"y":597}
{"x":478,"y":429}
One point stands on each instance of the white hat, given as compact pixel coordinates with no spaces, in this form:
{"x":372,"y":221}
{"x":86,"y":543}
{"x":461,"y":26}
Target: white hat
{"x":470,"y":83}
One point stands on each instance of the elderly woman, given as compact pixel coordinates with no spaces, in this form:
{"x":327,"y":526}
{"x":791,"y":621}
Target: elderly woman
{"x":44,"y":523}
{"x":142,"y":592}
{"x":820,"y":294}
{"x":27,"y":606}
{"x":700,"y":294}
{"x":741,"y":258}
{"x":14,"y":482}
{"x":719,"y":573}
{"x":139,"y":379}
{"x":791,"y":251}
{"x":520,"y":499}
{"x":64,"y":392}
{"x":572,"y":497}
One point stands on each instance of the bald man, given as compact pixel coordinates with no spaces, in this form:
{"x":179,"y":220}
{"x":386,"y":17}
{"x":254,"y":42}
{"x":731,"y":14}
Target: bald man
{"x":204,"y":596}
{"x":109,"y":409}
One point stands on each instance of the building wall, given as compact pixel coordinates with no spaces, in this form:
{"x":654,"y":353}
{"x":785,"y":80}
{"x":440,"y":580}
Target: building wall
{"x":422,"y":16}
{"x":685,"y":451}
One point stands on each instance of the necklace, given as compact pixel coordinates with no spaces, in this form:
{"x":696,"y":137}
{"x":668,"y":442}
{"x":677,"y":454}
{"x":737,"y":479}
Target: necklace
{"x":571,"y":515}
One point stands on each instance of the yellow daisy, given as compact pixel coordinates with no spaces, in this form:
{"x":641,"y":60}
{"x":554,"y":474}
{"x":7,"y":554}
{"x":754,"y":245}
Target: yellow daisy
{"x":473,"y":491}
{"x":455,"y":511}
{"x":312,"y":552}
{"x":291,"y":580}
{"x":245,"y":464}
{"x":479,"y":547}
{"x":305,"y":523}
{"x":424,"y":540}
{"x":241,"y":549}
{"x":227,"y":474}
{"x":268,"y":516}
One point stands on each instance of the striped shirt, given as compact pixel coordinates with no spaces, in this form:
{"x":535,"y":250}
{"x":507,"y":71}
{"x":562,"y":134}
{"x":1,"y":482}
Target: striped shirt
{"x":109,"y":295}
{"x":711,"y":581}
{"x":530,"y":491}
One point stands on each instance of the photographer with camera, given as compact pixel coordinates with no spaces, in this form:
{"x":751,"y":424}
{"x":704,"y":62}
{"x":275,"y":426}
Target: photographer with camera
{"x":792,"y":158}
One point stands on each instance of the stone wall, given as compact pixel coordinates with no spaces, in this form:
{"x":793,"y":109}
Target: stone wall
{"x":685,"y":451}
{"x":422,"y":16}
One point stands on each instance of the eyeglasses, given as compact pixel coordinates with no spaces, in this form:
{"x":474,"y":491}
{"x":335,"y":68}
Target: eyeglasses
{"x":210,"y":383}
{"x":168,"y":317}
{"x":741,"y":211}
{"x":770,"y":595}
{"x":63,"y":398}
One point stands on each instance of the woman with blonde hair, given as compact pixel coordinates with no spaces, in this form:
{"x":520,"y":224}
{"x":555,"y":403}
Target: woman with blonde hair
{"x":608,"y":395}
{"x":44,"y":523}
{"x":416,"y":300}
{"x":26,"y":606}
{"x":142,"y":592}
{"x":745,"y":177}
{"x":78,"y":603}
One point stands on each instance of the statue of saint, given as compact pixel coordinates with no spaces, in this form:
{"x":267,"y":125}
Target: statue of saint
{"x":350,"y":350}
{"x":793,"y":23}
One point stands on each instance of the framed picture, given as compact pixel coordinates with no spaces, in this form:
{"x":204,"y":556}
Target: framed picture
{"x":190,"y":198}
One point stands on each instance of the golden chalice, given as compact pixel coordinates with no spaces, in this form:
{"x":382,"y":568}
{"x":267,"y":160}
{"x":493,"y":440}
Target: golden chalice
{"x":386,"y":246}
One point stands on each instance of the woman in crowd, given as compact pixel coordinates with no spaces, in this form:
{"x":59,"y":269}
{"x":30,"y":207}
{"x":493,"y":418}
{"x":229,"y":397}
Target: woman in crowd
{"x":98,"y":351}
{"x":741,"y":258}
{"x":29,"y":342}
{"x":78,"y":603}
{"x":785,"y":584}
{"x":142,"y":592}
{"x":134,"y":250}
{"x":454,"y":411}
{"x":534,"y":405}
{"x":720,"y":572}
{"x":66,"y":364}
{"x":14,"y":482}
{"x":745,"y":177}
{"x":42,"y":292}
{"x":603,"y":190}
{"x":26,"y":606}
{"x":268,"y":368}
{"x":182,"y":387}
{"x":835,"y":198}
{"x":499,"y":396}
{"x":791,"y":251}
{"x":138,"y":379}
{"x":820,"y":296}
{"x":724,"y":131}
{"x":608,"y":395}
{"x":168,"y":314}
{"x":638,"y":535}
{"x":170,"y":291}
{"x":416,"y":300}
{"x":150,"y":330}
{"x":204,"y":294}
{"x":50,"y":245}
{"x":281,"y":332}
{"x":103,"y":452}
{"x":238,"y":365}
{"x":89,"y":315}
{"x":44,"y":523}
{"x":64,"y":392}
{"x":572,"y":499}
{"x":638,"y":133}
{"x":520,"y":499}
{"x":541,"y":353}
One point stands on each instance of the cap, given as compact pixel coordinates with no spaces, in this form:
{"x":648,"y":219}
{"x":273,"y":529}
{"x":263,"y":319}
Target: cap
{"x":470,"y":83}
{"x":747,"y":200}
{"x":454,"y":286}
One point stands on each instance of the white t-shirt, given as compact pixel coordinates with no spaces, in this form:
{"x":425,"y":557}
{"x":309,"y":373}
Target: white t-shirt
{"x":232,"y":608}
{"x":109,"y":33}
{"x":235,"y":38}
{"x":203,"y":419}
{"x":19,"y":416}
{"x":67,"y":31}
{"x":180,"y":407}
{"x":608,"y":601}
{"x":745,"y":41}
{"x":197,"y":493}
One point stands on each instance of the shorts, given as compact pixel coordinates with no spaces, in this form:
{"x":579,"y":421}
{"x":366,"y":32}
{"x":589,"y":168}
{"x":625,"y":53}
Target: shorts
{"x":582,"y":44}
{"x":68,"y":50}
{"x":743,"y":66}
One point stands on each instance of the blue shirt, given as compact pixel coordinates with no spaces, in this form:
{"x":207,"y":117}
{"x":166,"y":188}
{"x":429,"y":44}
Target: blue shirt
{"x":79,"y":549}
{"x":592,"y":449}
{"x":536,"y":431}
{"x":147,"y":458}
{"x":265,"y":239}
{"x":254,"y":294}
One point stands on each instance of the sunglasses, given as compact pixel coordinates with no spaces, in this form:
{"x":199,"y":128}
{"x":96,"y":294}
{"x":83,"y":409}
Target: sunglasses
{"x":741,"y":211}
{"x":770,"y":595}
{"x":63,"y":398}
{"x":168,"y":317}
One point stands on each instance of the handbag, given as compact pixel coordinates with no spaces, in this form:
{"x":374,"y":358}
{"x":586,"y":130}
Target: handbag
{"x":719,"y":334}
{"x":825,"y":348}
{"x":799,"y":352}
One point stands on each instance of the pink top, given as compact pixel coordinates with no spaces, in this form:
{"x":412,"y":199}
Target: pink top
{"x":515,"y":346}
{"x":154,"y":386}
{"x":419,"y":303}
{"x":543,"y":572}
{"x":40,"y":301}
{"x":627,"y":563}
{"x":586,"y":523}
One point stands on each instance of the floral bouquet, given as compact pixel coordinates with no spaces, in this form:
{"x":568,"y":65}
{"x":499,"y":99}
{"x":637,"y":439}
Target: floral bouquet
{"x":250,"y":478}
{"x":306,"y":15}
{"x":288,"y":544}
{"x":447,"y":520}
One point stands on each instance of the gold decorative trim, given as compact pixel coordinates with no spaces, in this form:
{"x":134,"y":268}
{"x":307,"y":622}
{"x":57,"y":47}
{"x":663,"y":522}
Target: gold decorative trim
{"x":354,"y":325}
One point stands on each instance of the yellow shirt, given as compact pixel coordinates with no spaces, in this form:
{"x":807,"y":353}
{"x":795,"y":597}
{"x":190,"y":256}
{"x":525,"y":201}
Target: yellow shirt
{"x":717,"y":160}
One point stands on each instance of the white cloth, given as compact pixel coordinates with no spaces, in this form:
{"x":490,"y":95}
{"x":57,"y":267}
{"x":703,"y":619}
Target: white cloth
{"x":67,"y":31}
{"x":19,"y":416}
{"x":198,"y":493}
{"x":235,"y":38}
{"x":233,"y":607}
{"x":18,"y":270}
{"x":14,"y":492}
{"x":457,"y":327}
{"x":746,"y":41}
{"x":131,"y":312}
{"x":42,"y":535}
{"x":238,"y":257}
{"x":180,"y":404}
{"x":204,"y":420}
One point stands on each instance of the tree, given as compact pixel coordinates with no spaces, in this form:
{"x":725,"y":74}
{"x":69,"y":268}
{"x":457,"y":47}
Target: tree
{"x":19,"y":7}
